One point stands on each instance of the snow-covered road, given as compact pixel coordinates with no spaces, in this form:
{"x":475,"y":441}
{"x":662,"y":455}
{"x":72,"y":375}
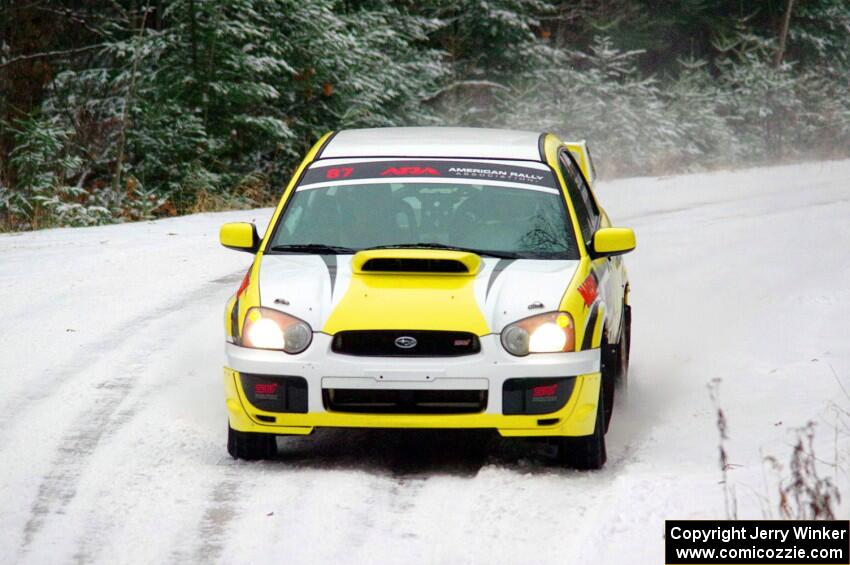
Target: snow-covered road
{"x":113,"y":423}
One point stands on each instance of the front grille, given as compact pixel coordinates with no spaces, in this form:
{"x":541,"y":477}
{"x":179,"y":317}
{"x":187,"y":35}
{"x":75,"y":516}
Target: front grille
{"x":398,"y":343}
{"x":405,"y":401}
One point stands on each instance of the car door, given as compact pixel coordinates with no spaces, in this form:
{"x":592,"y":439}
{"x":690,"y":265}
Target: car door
{"x":609,"y":273}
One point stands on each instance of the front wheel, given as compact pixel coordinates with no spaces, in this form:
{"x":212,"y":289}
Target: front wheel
{"x":250,"y":446}
{"x":588,"y":452}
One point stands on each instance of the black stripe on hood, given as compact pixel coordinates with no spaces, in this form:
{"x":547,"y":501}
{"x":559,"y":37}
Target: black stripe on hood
{"x":330,"y":263}
{"x":497,"y":270}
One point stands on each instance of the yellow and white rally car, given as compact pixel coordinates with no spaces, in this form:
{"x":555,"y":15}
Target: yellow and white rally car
{"x":431,"y":278}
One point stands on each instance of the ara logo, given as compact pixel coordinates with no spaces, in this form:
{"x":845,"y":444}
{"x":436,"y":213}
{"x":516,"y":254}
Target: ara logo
{"x":410,"y":172}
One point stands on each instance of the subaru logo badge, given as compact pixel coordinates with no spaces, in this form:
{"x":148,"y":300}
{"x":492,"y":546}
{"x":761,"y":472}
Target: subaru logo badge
{"x":405,"y":342}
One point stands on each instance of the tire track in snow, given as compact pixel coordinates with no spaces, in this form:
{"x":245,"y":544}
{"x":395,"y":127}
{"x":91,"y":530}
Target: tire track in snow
{"x":388,"y":469}
{"x":94,"y":536}
{"x":230,"y":496}
{"x":92,"y":351}
{"x":217,"y":517}
{"x":104,"y":418}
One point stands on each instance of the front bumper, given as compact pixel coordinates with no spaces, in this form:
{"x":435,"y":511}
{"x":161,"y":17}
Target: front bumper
{"x":487,"y":370}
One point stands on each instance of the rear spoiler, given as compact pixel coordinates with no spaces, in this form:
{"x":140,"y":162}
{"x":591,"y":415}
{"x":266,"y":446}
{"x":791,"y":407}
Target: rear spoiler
{"x":581,"y":153}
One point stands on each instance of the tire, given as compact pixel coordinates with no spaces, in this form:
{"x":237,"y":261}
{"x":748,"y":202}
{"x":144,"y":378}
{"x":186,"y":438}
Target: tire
{"x":614,"y":365}
{"x":250,"y":446}
{"x":588,"y":452}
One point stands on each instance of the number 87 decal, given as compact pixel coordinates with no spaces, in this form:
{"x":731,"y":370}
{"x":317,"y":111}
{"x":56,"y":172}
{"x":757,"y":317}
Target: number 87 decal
{"x":339,"y":173}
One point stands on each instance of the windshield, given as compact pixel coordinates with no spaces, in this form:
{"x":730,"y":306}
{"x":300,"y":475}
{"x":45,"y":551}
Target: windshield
{"x":334,"y":211}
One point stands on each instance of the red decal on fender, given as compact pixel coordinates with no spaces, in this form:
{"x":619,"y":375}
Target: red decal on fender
{"x":244,"y":284}
{"x":588,"y":289}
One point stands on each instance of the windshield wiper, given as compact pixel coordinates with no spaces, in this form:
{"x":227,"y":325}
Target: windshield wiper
{"x":484,"y":252}
{"x":319,"y":248}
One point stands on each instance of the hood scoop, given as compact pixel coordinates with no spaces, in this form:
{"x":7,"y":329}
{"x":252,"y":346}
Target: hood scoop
{"x":416,"y":262}
{"x":402,"y":265}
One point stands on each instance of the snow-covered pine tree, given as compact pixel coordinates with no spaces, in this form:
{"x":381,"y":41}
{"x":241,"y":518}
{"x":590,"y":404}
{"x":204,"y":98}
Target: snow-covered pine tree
{"x":210,"y":104}
{"x":694,"y":102}
{"x":819,"y":42}
{"x":599,"y":95}
{"x":763,"y":105}
{"x":489,"y":44}
{"x":243,"y":88}
{"x":44,"y":161}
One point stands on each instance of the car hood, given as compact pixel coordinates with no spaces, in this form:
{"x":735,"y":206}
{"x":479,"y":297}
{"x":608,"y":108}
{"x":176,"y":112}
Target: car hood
{"x":324,"y":291}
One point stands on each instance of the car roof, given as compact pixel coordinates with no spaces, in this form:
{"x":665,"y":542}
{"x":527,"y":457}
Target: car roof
{"x":435,"y":142}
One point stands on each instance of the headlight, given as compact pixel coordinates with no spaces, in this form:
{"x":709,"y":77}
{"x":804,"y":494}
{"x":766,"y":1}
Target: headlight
{"x":271,"y":329}
{"x":545,"y":333}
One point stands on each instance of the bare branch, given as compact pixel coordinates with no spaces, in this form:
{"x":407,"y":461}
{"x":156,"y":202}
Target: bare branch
{"x":58,"y":53}
{"x":72,"y":16}
{"x":13,"y":8}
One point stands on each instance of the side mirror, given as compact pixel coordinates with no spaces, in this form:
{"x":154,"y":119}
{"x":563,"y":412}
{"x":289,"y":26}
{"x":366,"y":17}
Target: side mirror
{"x":240,"y":236}
{"x":608,"y":242}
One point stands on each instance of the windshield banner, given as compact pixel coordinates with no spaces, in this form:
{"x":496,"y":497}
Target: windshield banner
{"x":427,"y":169}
